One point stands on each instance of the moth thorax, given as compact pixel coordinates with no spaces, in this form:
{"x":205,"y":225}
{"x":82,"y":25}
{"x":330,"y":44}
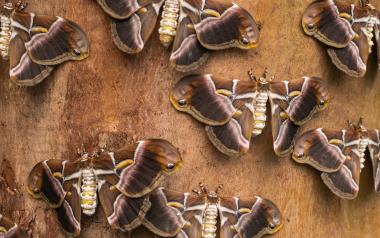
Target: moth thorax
{"x":363,"y":143}
{"x":5,"y":35}
{"x":259,"y":116}
{"x":168,"y":23}
{"x":88,"y":194}
{"x":209,"y":221}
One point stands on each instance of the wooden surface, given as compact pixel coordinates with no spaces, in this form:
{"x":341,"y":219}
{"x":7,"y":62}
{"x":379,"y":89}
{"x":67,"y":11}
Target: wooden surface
{"x":113,"y":98}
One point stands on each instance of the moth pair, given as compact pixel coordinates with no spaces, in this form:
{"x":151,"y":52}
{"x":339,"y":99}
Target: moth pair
{"x":340,"y":156}
{"x":206,"y":214}
{"x":9,"y":229}
{"x":349,"y":31}
{"x":234,"y":111}
{"x":120,"y":181}
{"x":192,"y":27}
{"x":35,"y":44}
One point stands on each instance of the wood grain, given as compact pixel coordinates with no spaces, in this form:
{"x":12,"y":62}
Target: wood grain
{"x":113,"y":98}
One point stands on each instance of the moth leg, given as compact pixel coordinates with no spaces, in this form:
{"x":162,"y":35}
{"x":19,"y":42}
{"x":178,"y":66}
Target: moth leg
{"x":211,"y":12}
{"x":224,"y":92}
{"x":175,"y":204}
{"x":335,"y":142}
{"x":294,"y":94}
{"x":58,"y":175}
{"x":245,"y":210}
{"x":345,"y":16}
{"x":124,"y":164}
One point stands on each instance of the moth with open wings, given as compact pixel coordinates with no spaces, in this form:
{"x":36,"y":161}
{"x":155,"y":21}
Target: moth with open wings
{"x":193,"y":27}
{"x":206,"y":214}
{"x":348,"y":30}
{"x":340,"y":156}
{"x":120,"y":180}
{"x":234,"y":111}
{"x":9,"y":229}
{"x":35,"y":44}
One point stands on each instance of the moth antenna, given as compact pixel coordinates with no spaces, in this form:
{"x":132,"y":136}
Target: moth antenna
{"x":203,"y":188}
{"x":219,"y":188}
{"x":251,"y":75}
{"x":265,"y":74}
{"x":350,"y":124}
{"x":196,"y":191}
{"x":20,"y":5}
{"x":360,"y":123}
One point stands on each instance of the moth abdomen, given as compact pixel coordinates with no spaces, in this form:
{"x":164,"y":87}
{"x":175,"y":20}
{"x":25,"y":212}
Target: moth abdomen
{"x":5,"y":36}
{"x":363,"y":144}
{"x":210,"y":219}
{"x":259,"y":119}
{"x":89,"y":188}
{"x":168,"y":23}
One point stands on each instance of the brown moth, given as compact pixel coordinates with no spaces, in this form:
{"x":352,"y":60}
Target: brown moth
{"x":120,"y":181}
{"x":9,"y":229}
{"x":348,"y":31}
{"x":204,"y":213}
{"x":193,"y":27}
{"x":340,"y":156}
{"x":234,"y":111}
{"x":35,"y":44}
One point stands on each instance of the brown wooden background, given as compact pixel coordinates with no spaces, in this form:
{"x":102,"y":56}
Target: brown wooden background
{"x":113,"y":98}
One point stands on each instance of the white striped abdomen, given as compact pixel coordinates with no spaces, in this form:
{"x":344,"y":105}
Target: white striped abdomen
{"x":363,"y":143}
{"x":5,"y":36}
{"x":168,"y":23}
{"x":259,"y":118}
{"x":88,"y":192}
{"x":210,"y":218}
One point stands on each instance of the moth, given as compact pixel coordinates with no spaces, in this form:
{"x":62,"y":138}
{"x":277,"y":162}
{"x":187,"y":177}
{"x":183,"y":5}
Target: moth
{"x":120,"y":181}
{"x":349,"y":31}
{"x":340,"y":156}
{"x":234,"y":111}
{"x":193,"y":27}
{"x":35,"y":44}
{"x":9,"y":229}
{"x":206,"y":214}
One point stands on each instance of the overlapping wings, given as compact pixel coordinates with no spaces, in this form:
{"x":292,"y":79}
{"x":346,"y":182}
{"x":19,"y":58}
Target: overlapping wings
{"x":345,"y":29}
{"x":229,"y":121}
{"x":124,"y":178}
{"x":202,"y":26}
{"x":39,"y":43}
{"x":248,"y":217}
{"x":336,"y":155}
{"x":292,"y":104}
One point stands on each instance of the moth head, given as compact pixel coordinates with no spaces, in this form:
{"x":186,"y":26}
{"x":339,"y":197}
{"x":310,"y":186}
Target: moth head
{"x":182,"y":94}
{"x":273,"y":217}
{"x":162,"y":153}
{"x":35,"y":180}
{"x":249,"y":31}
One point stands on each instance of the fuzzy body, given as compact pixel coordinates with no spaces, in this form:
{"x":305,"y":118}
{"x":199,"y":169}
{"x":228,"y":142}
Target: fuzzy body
{"x":209,"y":221}
{"x":88,"y":192}
{"x":5,"y":36}
{"x":260,"y":117}
{"x":168,"y":23}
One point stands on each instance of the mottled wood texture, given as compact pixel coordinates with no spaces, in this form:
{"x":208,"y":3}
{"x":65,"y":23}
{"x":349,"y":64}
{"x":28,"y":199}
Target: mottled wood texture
{"x":113,"y":98}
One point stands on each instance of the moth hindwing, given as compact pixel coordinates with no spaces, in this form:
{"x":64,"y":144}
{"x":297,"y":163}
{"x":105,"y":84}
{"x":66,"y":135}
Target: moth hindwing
{"x":192,"y":27}
{"x":340,"y":156}
{"x":206,"y":214}
{"x":120,"y":181}
{"x":34,"y":44}
{"x":347,"y":30}
{"x":234,"y":111}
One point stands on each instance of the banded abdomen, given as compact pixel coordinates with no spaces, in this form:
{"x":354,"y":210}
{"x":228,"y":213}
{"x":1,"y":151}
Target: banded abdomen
{"x":168,"y":23}
{"x":5,"y":36}
{"x":209,"y":221}
{"x":88,"y":192}
{"x":259,"y":118}
{"x":363,"y":143}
